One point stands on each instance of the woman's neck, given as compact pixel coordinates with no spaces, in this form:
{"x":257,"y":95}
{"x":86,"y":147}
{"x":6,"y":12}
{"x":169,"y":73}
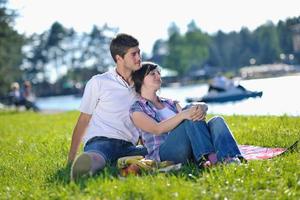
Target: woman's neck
{"x":151,"y":96}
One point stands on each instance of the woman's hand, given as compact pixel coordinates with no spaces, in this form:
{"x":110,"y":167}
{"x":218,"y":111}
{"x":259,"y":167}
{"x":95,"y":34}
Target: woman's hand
{"x":195,"y":112}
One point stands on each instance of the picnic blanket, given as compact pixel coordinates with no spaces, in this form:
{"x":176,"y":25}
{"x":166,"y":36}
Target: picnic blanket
{"x":135,"y":164}
{"x":259,"y":153}
{"x":250,"y":152}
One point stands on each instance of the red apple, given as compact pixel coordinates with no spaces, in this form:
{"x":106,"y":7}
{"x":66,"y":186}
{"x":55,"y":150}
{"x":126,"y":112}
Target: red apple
{"x":132,"y":169}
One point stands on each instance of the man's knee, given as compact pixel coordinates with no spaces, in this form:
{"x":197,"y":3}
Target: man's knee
{"x":138,"y":150}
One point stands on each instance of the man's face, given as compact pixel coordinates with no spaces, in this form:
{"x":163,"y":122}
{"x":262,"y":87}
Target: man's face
{"x":132,"y":59}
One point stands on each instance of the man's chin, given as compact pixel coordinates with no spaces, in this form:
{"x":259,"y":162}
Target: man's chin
{"x":137,"y":67}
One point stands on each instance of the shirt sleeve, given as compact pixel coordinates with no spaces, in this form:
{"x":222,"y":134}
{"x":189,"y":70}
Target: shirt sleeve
{"x":136,"y":107}
{"x":172,"y":105}
{"x":90,"y":96}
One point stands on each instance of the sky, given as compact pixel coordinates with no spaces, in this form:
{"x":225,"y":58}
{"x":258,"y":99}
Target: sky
{"x":149,"y":20}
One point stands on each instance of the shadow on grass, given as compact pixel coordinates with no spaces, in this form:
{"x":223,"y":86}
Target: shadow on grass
{"x":10,"y":112}
{"x":62,"y":176}
{"x":189,"y":171}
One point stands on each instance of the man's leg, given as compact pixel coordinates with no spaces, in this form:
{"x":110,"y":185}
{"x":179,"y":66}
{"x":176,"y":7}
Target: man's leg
{"x":87,"y":164}
{"x":92,"y":160}
{"x":101,"y":151}
{"x":132,"y":150}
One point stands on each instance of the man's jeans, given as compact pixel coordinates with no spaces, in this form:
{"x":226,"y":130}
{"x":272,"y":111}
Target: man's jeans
{"x":197,"y":139}
{"x":112,"y":149}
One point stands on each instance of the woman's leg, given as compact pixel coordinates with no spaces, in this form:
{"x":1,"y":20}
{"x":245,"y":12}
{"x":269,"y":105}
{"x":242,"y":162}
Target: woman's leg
{"x":177,"y":147}
{"x":200,"y":137}
{"x":223,"y":140}
{"x":187,"y":140}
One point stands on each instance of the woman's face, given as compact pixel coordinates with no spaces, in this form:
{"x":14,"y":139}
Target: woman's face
{"x":153,"y":79}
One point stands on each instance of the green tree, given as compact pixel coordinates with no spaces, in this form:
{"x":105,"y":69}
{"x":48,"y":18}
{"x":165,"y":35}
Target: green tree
{"x":55,"y":46}
{"x":35,"y":57}
{"x":10,"y":49}
{"x":285,"y":31}
{"x":196,"y":48}
{"x":97,"y":53}
{"x":186,"y":52}
{"x":269,"y":48}
{"x":247,"y":48}
{"x":60,"y":49}
{"x":159,"y":52}
{"x":221,"y":49}
{"x":174,"y":50}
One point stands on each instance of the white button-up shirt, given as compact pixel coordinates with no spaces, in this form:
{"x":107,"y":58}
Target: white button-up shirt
{"x":107,"y":97}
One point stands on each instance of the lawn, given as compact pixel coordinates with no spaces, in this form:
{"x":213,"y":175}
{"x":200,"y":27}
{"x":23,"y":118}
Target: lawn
{"x":34,"y":150}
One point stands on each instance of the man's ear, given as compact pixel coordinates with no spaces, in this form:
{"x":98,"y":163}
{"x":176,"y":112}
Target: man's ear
{"x":119,"y":58}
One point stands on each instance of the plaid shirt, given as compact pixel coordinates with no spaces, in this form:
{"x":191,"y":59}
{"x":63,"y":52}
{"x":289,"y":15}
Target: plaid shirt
{"x":151,"y":141}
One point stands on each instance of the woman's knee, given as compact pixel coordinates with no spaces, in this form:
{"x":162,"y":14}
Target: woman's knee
{"x":216,"y":123}
{"x":190,"y":123}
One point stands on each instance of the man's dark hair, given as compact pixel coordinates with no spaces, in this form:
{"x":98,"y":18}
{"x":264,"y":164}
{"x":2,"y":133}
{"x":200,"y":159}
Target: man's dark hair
{"x":121,"y":43}
{"x":139,"y":75}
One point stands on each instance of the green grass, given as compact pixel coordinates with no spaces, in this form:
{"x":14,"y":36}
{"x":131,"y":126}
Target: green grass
{"x":34,"y":150}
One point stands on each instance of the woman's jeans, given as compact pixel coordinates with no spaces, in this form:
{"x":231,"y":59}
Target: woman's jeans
{"x":195,"y":139}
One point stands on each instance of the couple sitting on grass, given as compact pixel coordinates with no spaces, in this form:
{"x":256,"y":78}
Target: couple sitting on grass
{"x":121,"y":105}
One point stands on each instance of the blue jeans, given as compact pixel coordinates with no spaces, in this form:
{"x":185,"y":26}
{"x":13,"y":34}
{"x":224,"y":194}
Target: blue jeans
{"x":197,"y":139}
{"x":112,"y":149}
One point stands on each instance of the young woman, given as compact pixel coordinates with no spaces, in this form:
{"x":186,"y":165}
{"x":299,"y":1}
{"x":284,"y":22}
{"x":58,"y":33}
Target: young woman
{"x":175,"y":134}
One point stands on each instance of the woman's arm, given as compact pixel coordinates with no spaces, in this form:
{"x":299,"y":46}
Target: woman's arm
{"x":146,"y":123}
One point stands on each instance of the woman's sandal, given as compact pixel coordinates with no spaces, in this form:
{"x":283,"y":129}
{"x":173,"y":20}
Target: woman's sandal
{"x":232,"y":160}
{"x":204,"y":164}
{"x":207,"y":164}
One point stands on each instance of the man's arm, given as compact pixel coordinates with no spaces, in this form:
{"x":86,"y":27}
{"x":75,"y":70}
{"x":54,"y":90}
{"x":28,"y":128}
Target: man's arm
{"x":79,"y":130}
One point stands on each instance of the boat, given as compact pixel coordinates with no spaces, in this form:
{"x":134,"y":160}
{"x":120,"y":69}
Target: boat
{"x":234,"y":94}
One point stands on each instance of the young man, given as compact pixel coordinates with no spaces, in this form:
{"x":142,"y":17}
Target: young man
{"x":104,"y":122}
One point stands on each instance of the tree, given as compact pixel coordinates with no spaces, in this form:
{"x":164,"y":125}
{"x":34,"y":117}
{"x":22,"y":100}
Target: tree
{"x":174,"y":50}
{"x":268,"y":40}
{"x":10,"y":49}
{"x":159,"y":52}
{"x":186,"y":52}
{"x":55,"y":46}
{"x":35,"y":57}
{"x":196,"y":47}
{"x":51,"y":54}
{"x":97,"y":54}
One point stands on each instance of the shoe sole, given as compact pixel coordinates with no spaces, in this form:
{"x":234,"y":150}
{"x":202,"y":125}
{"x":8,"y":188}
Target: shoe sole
{"x":81,"y":167}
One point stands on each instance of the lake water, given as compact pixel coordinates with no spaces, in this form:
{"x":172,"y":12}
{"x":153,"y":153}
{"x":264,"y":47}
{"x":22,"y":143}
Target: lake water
{"x":280,"y":96}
